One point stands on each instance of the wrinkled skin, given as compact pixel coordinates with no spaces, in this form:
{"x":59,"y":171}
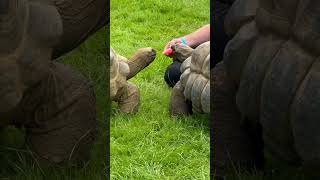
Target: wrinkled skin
{"x":272,"y":72}
{"x":123,"y":92}
{"x":55,"y":104}
{"x":192,"y":91}
{"x":181,"y":52}
{"x":80,"y":19}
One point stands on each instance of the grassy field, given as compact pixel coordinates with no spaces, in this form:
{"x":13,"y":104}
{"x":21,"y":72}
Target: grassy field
{"x":151,"y":144}
{"x":90,"y":60}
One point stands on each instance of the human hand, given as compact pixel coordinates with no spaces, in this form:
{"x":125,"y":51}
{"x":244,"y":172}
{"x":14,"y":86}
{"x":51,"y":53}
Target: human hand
{"x":167,"y":49}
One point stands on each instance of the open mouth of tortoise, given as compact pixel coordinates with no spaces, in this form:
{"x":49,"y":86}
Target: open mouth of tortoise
{"x":153,"y":54}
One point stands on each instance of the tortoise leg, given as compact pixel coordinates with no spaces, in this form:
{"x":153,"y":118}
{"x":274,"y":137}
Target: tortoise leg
{"x":141,"y":59}
{"x":129,"y":101}
{"x":61,"y":123}
{"x":236,"y":145}
{"x":178,"y":104}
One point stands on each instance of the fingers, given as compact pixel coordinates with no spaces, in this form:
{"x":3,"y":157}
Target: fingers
{"x":172,"y":42}
{"x":169,"y":45}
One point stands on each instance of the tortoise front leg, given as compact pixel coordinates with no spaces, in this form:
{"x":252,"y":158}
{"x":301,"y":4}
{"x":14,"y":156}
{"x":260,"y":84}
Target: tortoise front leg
{"x":129,"y":99}
{"x":236,"y":146}
{"x":179,"y":106}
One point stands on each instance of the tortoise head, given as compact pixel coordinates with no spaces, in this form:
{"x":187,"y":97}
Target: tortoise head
{"x":181,"y":52}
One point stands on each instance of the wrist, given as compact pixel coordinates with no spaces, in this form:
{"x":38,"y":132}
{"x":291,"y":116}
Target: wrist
{"x":188,"y":40}
{"x":183,"y":41}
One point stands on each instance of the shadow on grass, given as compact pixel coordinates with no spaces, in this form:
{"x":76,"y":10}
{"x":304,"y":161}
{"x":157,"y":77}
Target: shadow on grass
{"x":274,"y":170}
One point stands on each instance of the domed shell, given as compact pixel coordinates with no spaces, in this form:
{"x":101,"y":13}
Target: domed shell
{"x":195,"y":78}
{"x":119,"y":71}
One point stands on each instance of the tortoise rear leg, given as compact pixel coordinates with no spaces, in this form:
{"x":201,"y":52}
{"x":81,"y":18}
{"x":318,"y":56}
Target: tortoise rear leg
{"x":178,"y":104}
{"x":129,"y":101}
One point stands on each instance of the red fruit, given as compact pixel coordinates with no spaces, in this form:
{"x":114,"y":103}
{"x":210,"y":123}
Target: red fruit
{"x":168,"y":52}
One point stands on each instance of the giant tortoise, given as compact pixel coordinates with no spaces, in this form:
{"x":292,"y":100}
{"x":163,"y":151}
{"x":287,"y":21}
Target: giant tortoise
{"x":125,"y":93}
{"x":266,"y":93}
{"x":55,"y":104}
{"x":192,"y":91}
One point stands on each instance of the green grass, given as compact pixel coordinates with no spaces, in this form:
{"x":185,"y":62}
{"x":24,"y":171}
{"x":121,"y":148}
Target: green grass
{"x":90,"y":60}
{"x":151,"y":144}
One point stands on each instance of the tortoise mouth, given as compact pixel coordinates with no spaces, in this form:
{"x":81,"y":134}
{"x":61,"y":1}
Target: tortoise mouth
{"x":153,"y":54}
